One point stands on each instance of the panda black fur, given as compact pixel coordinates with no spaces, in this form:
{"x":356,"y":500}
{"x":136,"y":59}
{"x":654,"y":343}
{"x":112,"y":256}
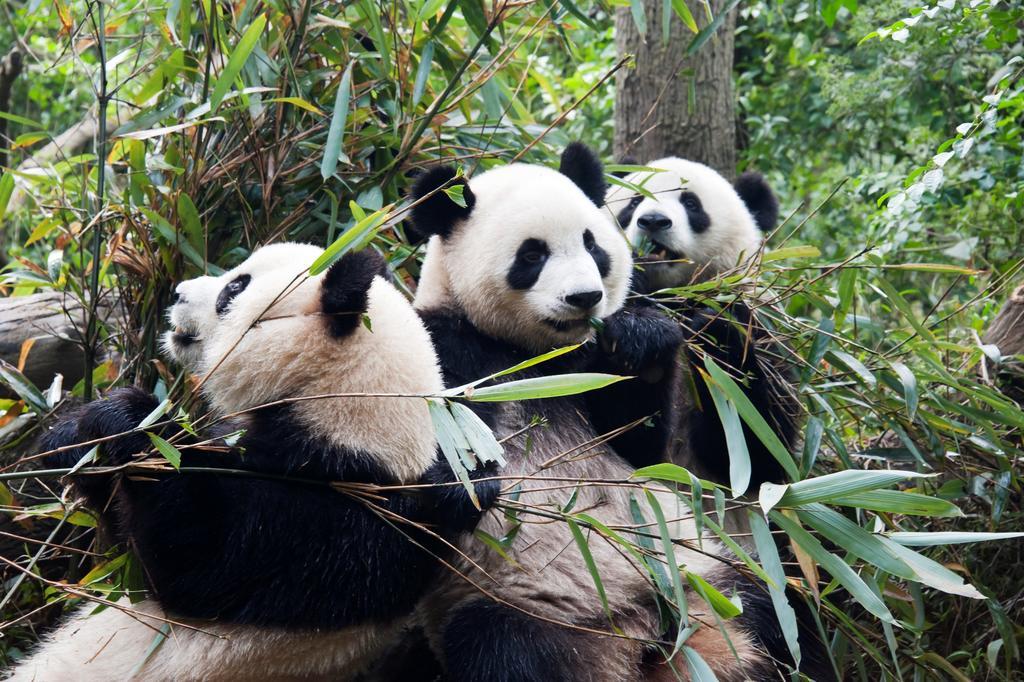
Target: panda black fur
{"x":700,"y":226}
{"x":516,"y":271}
{"x":282,"y":579}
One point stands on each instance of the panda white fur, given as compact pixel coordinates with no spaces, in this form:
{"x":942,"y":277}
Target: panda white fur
{"x":519,"y":270}
{"x":700,"y":225}
{"x":268,"y":578}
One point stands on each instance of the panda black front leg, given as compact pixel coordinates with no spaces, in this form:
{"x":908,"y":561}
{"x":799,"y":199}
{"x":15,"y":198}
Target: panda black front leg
{"x":640,"y":340}
{"x":117,"y":415}
{"x":453,"y":508}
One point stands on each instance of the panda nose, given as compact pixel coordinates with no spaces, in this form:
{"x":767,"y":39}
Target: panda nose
{"x":584,"y":300}
{"x":654,"y":222}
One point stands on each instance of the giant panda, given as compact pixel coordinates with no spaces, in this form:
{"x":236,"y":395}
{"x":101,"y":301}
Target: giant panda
{"x":275,"y":574}
{"x":698,"y":226}
{"x":518,"y":265}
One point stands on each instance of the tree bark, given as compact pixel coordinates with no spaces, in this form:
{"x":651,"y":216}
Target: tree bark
{"x":1007,"y":333}
{"x":671,"y":105}
{"x":56,"y":347}
{"x":10,"y":69}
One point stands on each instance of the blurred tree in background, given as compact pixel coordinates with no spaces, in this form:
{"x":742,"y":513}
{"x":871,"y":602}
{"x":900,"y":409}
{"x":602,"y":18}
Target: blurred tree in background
{"x":147,"y":142}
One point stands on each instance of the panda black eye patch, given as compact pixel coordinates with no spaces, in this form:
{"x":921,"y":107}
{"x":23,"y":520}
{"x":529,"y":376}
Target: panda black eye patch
{"x":599,"y":255}
{"x":230,"y":290}
{"x":700,"y":221}
{"x":530,"y":258}
{"x":625,"y":216}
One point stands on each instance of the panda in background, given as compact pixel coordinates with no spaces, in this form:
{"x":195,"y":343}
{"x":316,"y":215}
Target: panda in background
{"x":700,"y":226}
{"x":519,"y":267}
{"x":271,"y":578}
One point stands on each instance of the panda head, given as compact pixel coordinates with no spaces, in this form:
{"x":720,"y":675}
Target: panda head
{"x":267,"y":330}
{"x":530,"y":257}
{"x":695,"y":216}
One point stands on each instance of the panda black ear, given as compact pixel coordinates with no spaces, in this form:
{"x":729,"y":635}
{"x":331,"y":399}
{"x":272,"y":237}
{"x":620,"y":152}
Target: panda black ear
{"x":345,"y":289}
{"x":439,"y":213}
{"x":760,"y":200}
{"x":582,"y":166}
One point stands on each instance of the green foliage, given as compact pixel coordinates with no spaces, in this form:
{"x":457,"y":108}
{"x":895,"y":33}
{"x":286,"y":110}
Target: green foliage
{"x":891,"y":134}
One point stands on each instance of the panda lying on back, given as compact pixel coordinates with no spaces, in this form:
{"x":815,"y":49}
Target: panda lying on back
{"x":282,"y":578}
{"x":698,"y":226}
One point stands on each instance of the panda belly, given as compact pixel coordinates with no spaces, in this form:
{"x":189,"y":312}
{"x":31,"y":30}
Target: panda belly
{"x":113,"y":645}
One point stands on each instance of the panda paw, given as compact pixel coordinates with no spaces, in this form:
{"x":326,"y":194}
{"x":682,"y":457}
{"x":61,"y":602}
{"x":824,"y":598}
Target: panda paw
{"x":118,"y":413}
{"x":453,"y":508}
{"x":640,"y":340}
{"x":721,"y":334}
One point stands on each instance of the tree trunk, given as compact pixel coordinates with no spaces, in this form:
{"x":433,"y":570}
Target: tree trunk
{"x":52,"y":322}
{"x":1007,"y":333}
{"x":670,"y":105}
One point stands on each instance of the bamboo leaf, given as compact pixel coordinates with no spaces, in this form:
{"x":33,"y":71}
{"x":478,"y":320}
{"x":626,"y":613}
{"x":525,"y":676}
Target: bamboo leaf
{"x":6,"y":190}
{"x":479,"y":436}
{"x":913,"y":539}
{"x":670,"y":558}
{"x":588,"y":559}
{"x":24,"y":388}
{"x":736,"y":443}
{"x":348,"y":239}
{"x":554,"y":386}
{"x":450,"y":440}
{"x":752,"y":417}
{"x":846,"y":576}
{"x":237,"y":60}
{"x":909,"y":382}
{"x":169,"y":452}
{"x":700,"y":671}
{"x":772,"y":564}
{"x":722,"y":605}
{"x":189,"y":217}
{"x":898,"y":502}
{"x":422,"y":72}
{"x":336,"y":132}
{"x":298,"y":102}
{"x":842,"y":483}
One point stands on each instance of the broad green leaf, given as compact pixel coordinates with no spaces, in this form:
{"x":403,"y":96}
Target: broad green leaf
{"x":736,"y":442}
{"x":336,"y":133}
{"x":913,"y":539}
{"x":14,"y":118}
{"x":422,"y":72}
{"x":453,"y":446}
{"x":667,"y":471}
{"x":554,"y":386}
{"x":853,"y":364}
{"x":298,"y":102}
{"x":932,"y":573}
{"x":846,"y":576}
{"x":348,"y":239}
{"x":670,"y":558}
{"x":768,"y":553}
{"x":169,"y":452}
{"x":6,"y":190}
{"x":700,"y":671}
{"x":752,"y":417}
{"x":636,"y":9}
{"x":846,"y":534}
{"x":189,"y":217}
{"x":479,"y":436}
{"x":158,"y":411}
{"x":25,"y":389}
{"x":898,"y":502}
{"x":588,"y":559}
{"x":683,"y":12}
{"x":722,"y":605}
{"x":710,"y":30}
{"x":550,"y":355}
{"x":842,"y":483}
{"x":909,"y":382}
{"x":805,"y":251}
{"x":237,"y":60}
